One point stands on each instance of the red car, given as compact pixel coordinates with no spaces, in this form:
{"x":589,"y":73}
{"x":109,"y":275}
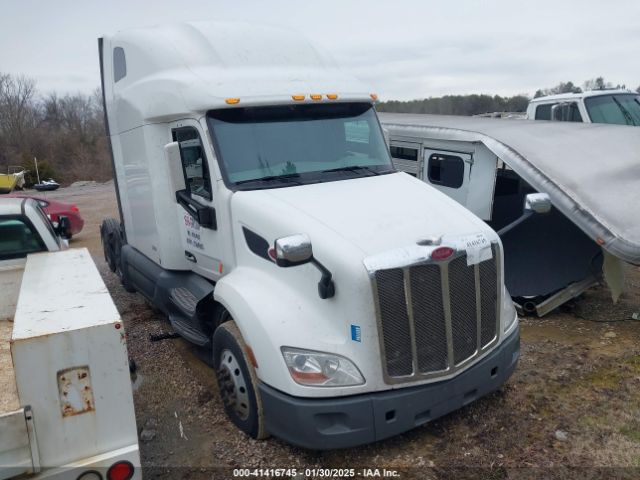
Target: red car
{"x":55,"y":209}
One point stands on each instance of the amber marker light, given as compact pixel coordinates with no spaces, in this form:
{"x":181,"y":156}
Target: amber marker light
{"x":316,"y":96}
{"x":297,"y":98}
{"x":332,"y":96}
{"x":232,"y":101}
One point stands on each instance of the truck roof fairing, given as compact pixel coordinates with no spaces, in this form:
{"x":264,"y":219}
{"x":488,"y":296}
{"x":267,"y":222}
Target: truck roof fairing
{"x":590,"y":171}
{"x":180,"y":69}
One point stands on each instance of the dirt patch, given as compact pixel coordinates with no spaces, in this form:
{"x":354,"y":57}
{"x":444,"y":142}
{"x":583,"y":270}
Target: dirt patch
{"x":571,"y":410}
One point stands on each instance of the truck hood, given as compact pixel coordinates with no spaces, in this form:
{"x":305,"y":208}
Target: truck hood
{"x":373,"y":214}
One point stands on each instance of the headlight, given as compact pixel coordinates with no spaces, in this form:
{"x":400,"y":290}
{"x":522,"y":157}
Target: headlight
{"x":508,"y":310}
{"x":318,"y":369}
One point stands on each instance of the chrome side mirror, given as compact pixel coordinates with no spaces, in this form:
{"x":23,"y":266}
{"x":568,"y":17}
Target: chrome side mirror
{"x":537,"y":203}
{"x":296,"y":250}
{"x":534,"y":203}
{"x":293,"y":250}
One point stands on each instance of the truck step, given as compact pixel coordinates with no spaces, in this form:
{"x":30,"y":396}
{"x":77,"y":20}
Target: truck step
{"x":184,"y":299}
{"x":184,"y":327}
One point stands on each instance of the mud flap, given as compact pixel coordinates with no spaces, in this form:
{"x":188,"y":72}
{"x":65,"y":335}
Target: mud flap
{"x":614,"y":275}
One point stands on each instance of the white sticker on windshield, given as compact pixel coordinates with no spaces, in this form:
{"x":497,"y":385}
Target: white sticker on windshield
{"x":477,"y":246}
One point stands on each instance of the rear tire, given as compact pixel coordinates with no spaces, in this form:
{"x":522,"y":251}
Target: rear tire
{"x":112,"y":248}
{"x":237,"y":381}
{"x":111,"y":242}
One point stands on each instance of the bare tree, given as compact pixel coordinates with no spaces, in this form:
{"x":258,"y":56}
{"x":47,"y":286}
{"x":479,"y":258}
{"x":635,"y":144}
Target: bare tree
{"x":18,"y":113}
{"x":562,"y":87}
{"x":66,"y":133}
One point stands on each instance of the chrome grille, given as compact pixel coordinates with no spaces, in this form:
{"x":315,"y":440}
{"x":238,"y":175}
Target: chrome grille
{"x":436,"y":317}
{"x":488,"y":301}
{"x":464,"y":324}
{"x":395,"y":330}
{"x":428,"y":312}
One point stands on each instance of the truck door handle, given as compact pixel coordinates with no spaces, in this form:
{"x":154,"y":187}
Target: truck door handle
{"x":190,"y":256}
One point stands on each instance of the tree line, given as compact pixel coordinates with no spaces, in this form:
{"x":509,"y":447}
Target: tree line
{"x":65,"y":133}
{"x":458,"y":105}
{"x":477,"y":104}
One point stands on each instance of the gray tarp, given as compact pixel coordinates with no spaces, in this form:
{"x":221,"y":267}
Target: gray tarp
{"x":590,"y":171}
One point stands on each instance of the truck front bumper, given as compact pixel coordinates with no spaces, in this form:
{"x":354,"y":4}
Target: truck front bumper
{"x":329,"y":423}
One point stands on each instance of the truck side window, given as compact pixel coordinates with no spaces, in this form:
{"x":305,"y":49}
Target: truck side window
{"x":194,"y":162}
{"x":567,"y":112}
{"x":404,"y":153}
{"x":17,"y":239}
{"x":543,"y":112}
{"x":446,"y":170}
{"x":119,"y":64}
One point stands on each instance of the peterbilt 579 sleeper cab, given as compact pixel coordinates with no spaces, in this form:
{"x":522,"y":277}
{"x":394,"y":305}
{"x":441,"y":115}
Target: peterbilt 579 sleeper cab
{"x":260,"y":211}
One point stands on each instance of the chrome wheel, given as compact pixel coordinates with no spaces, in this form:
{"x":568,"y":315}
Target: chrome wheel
{"x":233,"y":386}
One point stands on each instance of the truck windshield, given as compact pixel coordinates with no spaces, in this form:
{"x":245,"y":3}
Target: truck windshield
{"x":279,"y":146}
{"x":621,"y":109}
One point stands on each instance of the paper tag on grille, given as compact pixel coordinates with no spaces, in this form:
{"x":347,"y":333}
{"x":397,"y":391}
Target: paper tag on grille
{"x":477,"y":246}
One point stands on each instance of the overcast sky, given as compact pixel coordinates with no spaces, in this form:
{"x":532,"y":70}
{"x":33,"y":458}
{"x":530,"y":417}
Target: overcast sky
{"x":404,"y":49}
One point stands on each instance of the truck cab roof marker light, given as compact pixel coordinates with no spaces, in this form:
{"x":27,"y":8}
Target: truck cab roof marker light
{"x":316,"y":96}
{"x":297,"y":98}
{"x":332,"y":96}
{"x":232,"y":101}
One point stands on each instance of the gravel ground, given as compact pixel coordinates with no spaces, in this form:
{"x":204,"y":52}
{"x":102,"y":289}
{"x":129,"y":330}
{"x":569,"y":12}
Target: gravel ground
{"x":571,"y":410}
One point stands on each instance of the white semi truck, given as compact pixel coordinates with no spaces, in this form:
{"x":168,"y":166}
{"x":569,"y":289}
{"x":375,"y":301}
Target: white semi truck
{"x":66,"y":407}
{"x":260,"y":211}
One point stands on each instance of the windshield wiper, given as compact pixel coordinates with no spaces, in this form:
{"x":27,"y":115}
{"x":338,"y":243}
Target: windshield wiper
{"x":288,"y":178}
{"x":353,"y":168}
{"x":627,"y":115}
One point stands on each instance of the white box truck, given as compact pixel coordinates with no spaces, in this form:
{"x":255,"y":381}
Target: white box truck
{"x":66,"y":407}
{"x":260,"y":211}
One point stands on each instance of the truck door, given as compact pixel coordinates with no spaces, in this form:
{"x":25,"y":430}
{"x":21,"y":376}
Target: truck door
{"x":448,"y":171}
{"x":201,"y":243}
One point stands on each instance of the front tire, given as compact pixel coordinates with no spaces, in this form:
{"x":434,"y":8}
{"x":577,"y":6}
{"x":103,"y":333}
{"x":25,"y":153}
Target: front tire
{"x":237,"y":381}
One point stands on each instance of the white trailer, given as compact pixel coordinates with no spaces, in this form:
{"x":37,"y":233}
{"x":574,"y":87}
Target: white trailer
{"x":589,"y":172}
{"x":66,"y":407}
{"x":261,"y":212}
